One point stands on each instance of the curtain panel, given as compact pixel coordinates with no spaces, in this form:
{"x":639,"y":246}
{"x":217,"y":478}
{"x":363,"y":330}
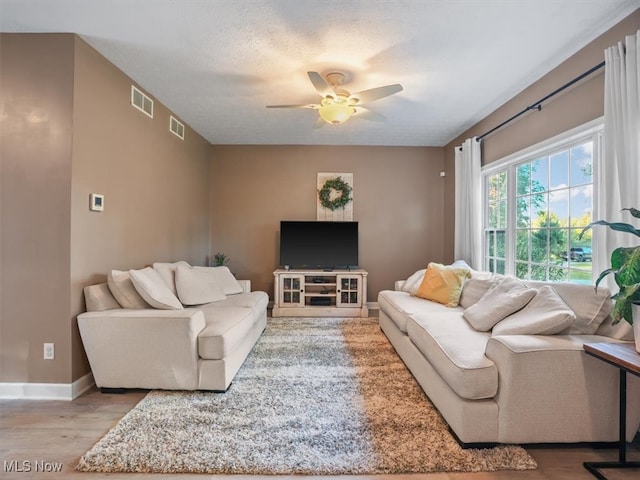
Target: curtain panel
{"x":618,"y":175}
{"x":468,"y":204}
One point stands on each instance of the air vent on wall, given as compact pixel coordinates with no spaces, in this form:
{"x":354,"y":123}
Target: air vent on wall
{"x":176,"y":127}
{"x":141,"y":101}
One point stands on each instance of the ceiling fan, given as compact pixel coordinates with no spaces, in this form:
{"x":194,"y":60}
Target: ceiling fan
{"x":339,"y":105}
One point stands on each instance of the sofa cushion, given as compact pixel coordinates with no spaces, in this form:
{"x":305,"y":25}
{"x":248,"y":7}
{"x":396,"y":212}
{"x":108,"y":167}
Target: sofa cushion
{"x":152,"y":288}
{"x":443,"y":284}
{"x":198,"y":285}
{"x":456,"y":352}
{"x":545,"y":314}
{"x":507,"y":296}
{"x":123,"y":290}
{"x":99,"y":298}
{"x":227,"y":327}
{"x":256,"y":301}
{"x":399,"y":305}
{"x":591,"y":307}
{"x":167,"y":272}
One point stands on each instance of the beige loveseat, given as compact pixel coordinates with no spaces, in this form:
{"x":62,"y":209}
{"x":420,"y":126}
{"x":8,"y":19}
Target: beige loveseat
{"x":495,"y":386}
{"x":138,"y":334}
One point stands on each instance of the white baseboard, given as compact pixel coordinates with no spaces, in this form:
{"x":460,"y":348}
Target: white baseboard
{"x":46,"y":391}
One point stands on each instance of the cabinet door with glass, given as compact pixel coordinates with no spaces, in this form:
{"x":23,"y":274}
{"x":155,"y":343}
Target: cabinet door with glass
{"x":292,"y":290}
{"x":348,"y":291}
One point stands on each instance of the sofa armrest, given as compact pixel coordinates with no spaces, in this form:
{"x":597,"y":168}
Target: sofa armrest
{"x":246,"y":285}
{"x":143,"y":348}
{"x":548,"y":384}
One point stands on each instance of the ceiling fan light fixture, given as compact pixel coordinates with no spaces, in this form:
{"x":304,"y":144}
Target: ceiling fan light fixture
{"x":339,"y":105}
{"x":336,"y":111}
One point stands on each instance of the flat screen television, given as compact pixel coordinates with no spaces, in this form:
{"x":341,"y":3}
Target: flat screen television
{"x":325,"y":245}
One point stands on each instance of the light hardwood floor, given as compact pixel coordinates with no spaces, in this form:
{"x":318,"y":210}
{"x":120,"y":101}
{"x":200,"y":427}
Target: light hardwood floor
{"x":60,"y":432}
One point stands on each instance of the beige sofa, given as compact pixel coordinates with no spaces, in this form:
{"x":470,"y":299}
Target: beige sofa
{"x":512,"y":388}
{"x":131,"y":343}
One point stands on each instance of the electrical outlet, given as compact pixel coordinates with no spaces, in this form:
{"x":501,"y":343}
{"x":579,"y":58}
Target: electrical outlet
{"x":49,"y":352}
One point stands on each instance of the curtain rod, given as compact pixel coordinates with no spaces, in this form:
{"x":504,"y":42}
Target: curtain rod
{"x":538,"y":105}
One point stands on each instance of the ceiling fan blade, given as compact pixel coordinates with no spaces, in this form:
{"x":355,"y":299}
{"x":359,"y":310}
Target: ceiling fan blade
{"x":367,"y":114}
{"x":320,"y":84}
{"x":309,"y":105}
{"x":367,"y":96}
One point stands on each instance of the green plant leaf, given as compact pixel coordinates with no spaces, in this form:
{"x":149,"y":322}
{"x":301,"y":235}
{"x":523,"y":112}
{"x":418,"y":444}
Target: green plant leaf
{"x":626,"y":262}
{"x":634,"y":211}
{"x":624,"y":299}
{"x":603,"y":274}
{"x":617,"y":226}
{"x":625,"y":266}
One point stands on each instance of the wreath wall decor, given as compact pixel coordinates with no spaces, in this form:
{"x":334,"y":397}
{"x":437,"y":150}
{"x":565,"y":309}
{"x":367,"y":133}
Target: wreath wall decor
{"x":338,"y":185}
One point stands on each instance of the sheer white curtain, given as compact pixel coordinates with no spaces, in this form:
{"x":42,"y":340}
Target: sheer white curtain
{"x":468,"y":214}
{"x":618,"y":176}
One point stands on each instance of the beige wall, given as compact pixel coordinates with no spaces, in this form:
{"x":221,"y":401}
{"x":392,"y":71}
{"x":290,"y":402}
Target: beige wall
{"x":575,"y":106}
{"x":398,"y":202}
{"x":156,"y":186}
{"x":72,"y":132}
{"x":36,"y":79}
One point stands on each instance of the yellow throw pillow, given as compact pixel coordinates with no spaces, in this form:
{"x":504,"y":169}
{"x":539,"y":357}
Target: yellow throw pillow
{"x":443,"y":284}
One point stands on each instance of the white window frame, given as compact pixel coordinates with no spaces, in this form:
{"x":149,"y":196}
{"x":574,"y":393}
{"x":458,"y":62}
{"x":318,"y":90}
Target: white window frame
{"x":593,"y":130}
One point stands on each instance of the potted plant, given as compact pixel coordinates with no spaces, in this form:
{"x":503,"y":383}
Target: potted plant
{"x":220,"y":259}
{"x":625,"y":266}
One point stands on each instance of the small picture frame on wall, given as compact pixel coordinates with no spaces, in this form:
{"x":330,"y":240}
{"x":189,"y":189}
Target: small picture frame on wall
{"x":96,"y":202}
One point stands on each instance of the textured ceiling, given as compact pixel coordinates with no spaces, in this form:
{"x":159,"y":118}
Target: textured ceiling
{"x":217,"y":64}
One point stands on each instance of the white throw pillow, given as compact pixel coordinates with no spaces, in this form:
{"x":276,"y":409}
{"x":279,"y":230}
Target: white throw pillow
{"x":545,"y":314}
{"x":198,"y":285}
{"x":474,"y":288}
{"x":123,"y":291}
{"x":226,"y":281}
{"x":507,"y":296}
{"x":412,"y":283}
{"x":152,"y":288}
{"x":590,"y":306}
{"x":167,"y":272}
{"x":99,"y":298}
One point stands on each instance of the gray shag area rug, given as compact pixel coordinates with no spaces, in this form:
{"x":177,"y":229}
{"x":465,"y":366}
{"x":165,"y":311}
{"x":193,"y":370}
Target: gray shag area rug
{"x":316,"y":396}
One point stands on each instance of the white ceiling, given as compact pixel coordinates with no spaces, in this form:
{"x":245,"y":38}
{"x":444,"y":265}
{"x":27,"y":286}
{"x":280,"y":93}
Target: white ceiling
{"x":216,"y":64}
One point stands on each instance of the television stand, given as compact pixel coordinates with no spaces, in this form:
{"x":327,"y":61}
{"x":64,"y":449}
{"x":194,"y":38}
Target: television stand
{"x":320,"y":293}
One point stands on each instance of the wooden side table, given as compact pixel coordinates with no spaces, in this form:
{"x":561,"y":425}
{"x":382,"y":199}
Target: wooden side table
{"x":624,"y":357}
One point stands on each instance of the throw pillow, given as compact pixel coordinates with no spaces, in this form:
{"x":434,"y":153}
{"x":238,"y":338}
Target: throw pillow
{"x":545,"y":314}
{"x":443,"y":284}
{"x":461,"y":264}
{"x":412,"y":283}
{"x":474,"y":288}
{"x":225,"y":279}
{"x":198,"y":285}
{"x":123,"y":291}
{"x":507,"y":296}
{"x":99,"y":298}
{"x":590,"y":306}
{"x":167,"y":272}
{"x":152,"y":288}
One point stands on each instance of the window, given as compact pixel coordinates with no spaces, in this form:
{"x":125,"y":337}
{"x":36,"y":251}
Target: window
{"x":495,"y":233}
{"x":536,"y":204}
